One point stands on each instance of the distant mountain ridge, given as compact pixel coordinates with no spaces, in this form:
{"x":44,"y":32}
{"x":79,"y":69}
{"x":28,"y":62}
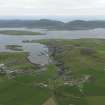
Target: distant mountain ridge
{"x":53,"y":24}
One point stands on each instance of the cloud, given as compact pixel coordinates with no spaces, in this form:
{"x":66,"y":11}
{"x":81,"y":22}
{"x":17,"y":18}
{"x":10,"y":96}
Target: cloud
{"x":52,"y":7}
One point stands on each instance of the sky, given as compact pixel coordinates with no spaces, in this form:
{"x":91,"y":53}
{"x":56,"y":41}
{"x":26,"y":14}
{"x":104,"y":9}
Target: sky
{"x":49,"y":8}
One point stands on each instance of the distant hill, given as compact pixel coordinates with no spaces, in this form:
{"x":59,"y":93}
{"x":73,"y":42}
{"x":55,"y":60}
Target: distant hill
{"x":53,"y":24}
{"x":80,"y":24}
{"x":43,"y":23}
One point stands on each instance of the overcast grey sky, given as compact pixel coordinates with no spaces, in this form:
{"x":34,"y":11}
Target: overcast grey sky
{"x":52,"y":7}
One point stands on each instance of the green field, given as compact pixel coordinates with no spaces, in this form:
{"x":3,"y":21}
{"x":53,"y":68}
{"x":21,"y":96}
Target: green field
{"x":82,"y":63}
{"x":24,"y":89}
{"x":14,"y":92}
{"x":82,"y":57}
{"x":96,"y":100}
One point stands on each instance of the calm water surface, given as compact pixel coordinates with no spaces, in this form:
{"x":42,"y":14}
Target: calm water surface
{"x":38,"y":53}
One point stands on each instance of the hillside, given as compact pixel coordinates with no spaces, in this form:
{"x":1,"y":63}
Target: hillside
{"x":53,"y":24}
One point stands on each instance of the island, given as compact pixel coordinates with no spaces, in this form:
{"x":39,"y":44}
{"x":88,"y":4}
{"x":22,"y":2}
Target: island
{"x":19,"y":32}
